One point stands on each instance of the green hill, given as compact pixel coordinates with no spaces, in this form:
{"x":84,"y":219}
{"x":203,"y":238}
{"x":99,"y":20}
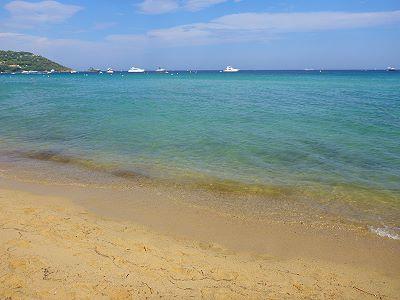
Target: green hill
{"x":12,"y":61}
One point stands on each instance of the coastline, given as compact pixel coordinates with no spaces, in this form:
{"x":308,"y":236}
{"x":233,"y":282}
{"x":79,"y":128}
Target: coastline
{"x":101,"y":241}
{"x":373,"y":208}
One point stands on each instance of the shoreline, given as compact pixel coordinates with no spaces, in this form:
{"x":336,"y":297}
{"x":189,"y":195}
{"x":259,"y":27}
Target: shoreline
{"x":361,"y":263}
{"x":376,"y":209}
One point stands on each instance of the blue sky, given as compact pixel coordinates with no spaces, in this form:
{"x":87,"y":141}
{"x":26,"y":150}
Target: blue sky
{"x":206,"y":34}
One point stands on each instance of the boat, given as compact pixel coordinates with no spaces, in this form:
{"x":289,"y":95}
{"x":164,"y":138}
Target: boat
{"x":391,"y":69}
{"x":136,"y":70}
{"x":29,"y":72}
{"x":161,"y":70}
{"x":230,"y":69}
{"x":73,"y":72}
{"x":93,"y":70}
{"x":110,"y":71}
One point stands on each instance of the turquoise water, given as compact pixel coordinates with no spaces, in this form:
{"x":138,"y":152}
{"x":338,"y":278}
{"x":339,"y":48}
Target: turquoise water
{"x":272,"y":128}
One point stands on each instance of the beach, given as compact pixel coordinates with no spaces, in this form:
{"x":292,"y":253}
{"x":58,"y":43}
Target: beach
{"x":253,"y":185}
{"x":199,"y":149}
{"x":58,"y":242}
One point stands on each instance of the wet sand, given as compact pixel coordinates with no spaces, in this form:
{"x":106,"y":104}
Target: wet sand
{"x":71,"y":241}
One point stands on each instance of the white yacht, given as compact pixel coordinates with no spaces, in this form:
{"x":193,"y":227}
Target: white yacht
{"x":73,"y":72}
{"x":161,"y":70}
{"x":136,"y":70}
{"x":29,"y":72}
{"x":391,"y":69}
{"x":230,"y":69}
{"x":110,"y":71}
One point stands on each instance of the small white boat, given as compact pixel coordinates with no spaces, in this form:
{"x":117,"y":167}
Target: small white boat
{"x":161,"y":70}
{"x":230,"y":69}
{"x":391,"y":69}
{"x":50,"y":72}
{"x":29,"y":72}
{"x":110,"y":71}
{"x":136,"y":70}
{"x":73,"y":72}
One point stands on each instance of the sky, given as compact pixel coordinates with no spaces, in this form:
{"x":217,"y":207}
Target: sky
{"x":206,"y":34}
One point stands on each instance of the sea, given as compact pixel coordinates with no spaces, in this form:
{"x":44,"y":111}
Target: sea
{"x":331,"y":138}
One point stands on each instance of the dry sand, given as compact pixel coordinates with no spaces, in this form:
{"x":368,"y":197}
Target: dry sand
{"x":53,"y":248}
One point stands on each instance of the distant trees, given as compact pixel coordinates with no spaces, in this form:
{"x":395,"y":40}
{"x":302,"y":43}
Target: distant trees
{"x":13,"y":61}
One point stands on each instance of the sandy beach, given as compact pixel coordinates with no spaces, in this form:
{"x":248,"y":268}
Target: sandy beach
{"x":65,"y":242}
{"x":199,"y":149}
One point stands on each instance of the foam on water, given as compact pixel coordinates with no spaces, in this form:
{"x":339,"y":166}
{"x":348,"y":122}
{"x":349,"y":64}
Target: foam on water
{"x":392,"y":233}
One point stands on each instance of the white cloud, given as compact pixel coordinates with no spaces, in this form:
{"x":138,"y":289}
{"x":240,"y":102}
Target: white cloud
{"x":195,"y":5}
{"x":158,"y":6}
{"x":260,"y":27}
{"x":295,"y":22}
{"x":16,"y":41}
{"x":237,"y":28}
{"x":26,"y":14}
{"x":71,"y":52}
{"x":166,"y":6}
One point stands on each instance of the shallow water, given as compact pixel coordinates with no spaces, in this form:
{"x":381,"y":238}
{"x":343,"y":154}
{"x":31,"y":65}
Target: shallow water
{"x":333,"y":137}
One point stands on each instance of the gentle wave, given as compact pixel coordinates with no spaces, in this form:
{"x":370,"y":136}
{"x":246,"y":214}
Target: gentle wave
{"x":209,"y":183}
{"x":89,"y":164}
{"x":386,"y":231}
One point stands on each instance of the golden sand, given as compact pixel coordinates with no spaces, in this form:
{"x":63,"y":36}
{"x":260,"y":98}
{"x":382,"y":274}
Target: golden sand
{"x":52,"y":248}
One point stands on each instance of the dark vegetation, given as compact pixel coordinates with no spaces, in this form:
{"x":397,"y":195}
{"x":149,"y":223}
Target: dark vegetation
{"x":12,"y":61}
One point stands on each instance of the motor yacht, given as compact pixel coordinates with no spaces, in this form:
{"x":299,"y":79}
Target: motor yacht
{"x":136,"y":70}
{"x":230,"y":69}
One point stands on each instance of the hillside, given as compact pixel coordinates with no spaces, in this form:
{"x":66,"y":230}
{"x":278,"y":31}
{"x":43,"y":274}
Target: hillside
{"x":12,"y":61}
